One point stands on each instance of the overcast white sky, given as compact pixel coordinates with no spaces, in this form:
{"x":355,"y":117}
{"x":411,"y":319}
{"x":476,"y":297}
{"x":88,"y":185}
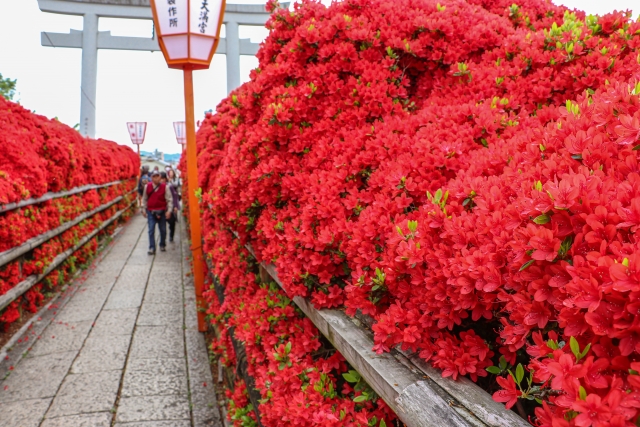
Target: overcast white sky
{"x":132,"y":86}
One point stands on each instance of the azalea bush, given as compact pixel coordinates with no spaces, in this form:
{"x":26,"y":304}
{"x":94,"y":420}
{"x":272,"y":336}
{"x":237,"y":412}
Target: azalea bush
{"x":301,"y":378}
{"x":39,"y":259}
{"x":40,"y":155}
{"x":241,"y":411}
{"x":465,"y":173}
{"x":19,"y":225}
{"x":37,"y":156}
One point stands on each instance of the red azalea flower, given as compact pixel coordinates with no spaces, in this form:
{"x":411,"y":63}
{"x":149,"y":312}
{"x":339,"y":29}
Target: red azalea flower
{"x":509,"y":393}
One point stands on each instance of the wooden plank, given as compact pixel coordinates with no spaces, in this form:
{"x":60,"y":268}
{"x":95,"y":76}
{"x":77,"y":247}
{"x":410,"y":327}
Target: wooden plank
{"x":472,"y":397}
{"x":51,"y":196}
{"x":417,"y":401}
{"x":465,"y":391}
{"x":462,"y":397}
{"x":13,"y":253}
{"x":26,"y":284}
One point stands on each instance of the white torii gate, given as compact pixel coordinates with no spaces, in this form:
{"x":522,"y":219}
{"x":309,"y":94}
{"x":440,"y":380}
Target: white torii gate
{"x":90,"y":40}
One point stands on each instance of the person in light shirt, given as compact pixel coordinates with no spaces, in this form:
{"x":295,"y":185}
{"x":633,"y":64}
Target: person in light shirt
{"x":176,"y":206}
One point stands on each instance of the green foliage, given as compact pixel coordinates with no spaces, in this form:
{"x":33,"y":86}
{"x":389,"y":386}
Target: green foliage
{"x":360,"y":385}
{"x":7,"y":87}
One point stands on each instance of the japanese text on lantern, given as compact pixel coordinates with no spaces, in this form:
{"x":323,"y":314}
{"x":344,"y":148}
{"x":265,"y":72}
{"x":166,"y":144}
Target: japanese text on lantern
{"x":204,"y":16}
{"x":172,"y":16}
{"x":137,"y":131}
{"x":181,"y":132}
{"x":172,"y":12}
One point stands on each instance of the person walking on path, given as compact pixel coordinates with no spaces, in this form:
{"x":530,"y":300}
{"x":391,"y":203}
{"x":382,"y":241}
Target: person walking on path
{"x":157,"y":206}
{"x":142,"y":182}
{"x":176,"y":205}
{"x":173,"y":179}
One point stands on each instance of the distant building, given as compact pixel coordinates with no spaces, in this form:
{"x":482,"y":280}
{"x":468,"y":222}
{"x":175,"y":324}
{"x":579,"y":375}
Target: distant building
{"x":157,"y":158}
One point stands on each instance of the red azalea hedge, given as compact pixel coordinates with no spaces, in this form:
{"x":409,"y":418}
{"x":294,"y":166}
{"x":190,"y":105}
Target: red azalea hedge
{"x":40,"y":258}
{"x":40,"y":155}
{"x":19,"y":225}
{"x":466,"y":172}
{"x":301,"y":381}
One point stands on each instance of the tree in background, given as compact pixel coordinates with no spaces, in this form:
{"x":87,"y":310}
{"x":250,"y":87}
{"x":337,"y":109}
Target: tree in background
{"x":7,"y":88}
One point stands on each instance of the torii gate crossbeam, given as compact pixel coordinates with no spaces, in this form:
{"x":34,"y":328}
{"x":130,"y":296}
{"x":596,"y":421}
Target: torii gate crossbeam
{"x":90,"y":40}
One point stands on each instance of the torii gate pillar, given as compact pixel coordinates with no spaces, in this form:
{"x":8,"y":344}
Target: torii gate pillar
{"x":90,"y":40}
{"x":89,"y":80}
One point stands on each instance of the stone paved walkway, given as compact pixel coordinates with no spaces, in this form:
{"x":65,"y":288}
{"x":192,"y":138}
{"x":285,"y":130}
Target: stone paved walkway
{"x":119,"y":349}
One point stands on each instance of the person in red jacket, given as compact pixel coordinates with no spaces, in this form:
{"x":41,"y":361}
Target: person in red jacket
{"x":157,"y":206}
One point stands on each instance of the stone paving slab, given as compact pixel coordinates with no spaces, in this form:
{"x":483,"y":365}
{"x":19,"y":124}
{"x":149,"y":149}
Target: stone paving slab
{"x":153,"y":314}
{"x":161,"y":366}
{"x":102,"y":419}
{"x":173,"y":423}
{"x":81,"y":311}
{"x":102,"y":353}
{"x":134,"y":276}
{"x":26,"y":413}
{"x":86,"y":393}
{"x":153,"y":408}
{"x":115,"y":351}
{"x":106,"y":268}
{"x":150,"y":342}
{"x":22,"y":342}
{"x":126,"y":298}
{"x":115,"y":322}
{"x":149,"y":383}
{"x":36,"y":377}
{"x":61,"y":337}
{"x":164,"y":295}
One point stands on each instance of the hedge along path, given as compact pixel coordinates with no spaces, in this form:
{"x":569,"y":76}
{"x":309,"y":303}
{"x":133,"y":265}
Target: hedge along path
{"x":416,"y":392}
{"x":240,"y":351}
{"x":50,"y":196}
{"x":13,"y":253}
{"x":26,"y":284}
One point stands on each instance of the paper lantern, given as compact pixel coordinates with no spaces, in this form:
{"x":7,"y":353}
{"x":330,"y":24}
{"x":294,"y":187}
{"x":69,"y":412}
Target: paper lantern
{"x":137,"y":131}
{"x":188,"y":31}
{"x":180,"y":129}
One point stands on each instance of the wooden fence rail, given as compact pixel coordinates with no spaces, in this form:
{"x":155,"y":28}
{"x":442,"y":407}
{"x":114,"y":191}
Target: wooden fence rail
{"x":13,"y":253}
{"x":26,"y":284}
{"x":51,"y":196}
{"x":18,"y":251}
{"x":414,"y":390}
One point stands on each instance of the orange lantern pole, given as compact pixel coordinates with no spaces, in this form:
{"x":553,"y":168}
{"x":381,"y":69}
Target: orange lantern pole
{"x":194,"y":208}
{"x":188,"y":34}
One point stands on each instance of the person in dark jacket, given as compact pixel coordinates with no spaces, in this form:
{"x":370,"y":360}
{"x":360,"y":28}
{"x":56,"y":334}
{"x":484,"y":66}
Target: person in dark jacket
{"x":144,"y":175}
{"x":176,"y":206}
{"x":157,"y":206}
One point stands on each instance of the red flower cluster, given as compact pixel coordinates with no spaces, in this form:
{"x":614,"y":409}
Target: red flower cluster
{"x":465,"y":172}
{"x":301,"y":382}
{"x":37,"y":261}
{"x":240,"y":409}
{"x":19,"y":225}
{"x":40,"y":155}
